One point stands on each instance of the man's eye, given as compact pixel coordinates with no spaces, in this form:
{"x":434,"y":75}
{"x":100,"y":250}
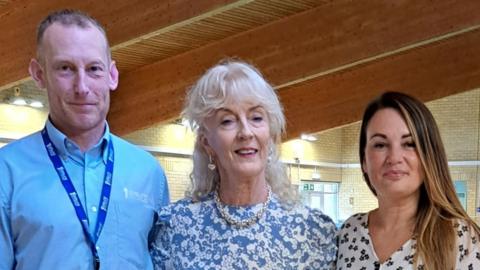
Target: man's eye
{"x":96,"y":68}
{"x":65,"y":68}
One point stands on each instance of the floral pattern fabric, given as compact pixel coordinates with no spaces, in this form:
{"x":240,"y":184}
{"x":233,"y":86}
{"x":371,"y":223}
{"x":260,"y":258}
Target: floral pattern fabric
{"x":355,"y":249}
{"x":194,"y":236}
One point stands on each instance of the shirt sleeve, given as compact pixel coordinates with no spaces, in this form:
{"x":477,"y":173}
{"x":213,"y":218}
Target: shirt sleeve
{"x":330,"y":245}
{"x":160,"y":247}
{"x":326,"y":232}
{"x":165,"y":199}
{"x":162,"y":201}
{"x":6,"y":239}
{"x":158,"y":176}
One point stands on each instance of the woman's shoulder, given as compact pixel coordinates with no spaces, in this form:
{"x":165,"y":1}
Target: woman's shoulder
{"x":183,"y":208}
{"x":466,"y":232}
{"x":468,"y":244}
{"x":311,"y":227}
{"x":313,"y":218}
{"x":317,"y":216}
{"x":357,"y":218}
{"x":354,"y":230}
{"x":354,"y":221}
{"x":462,"y":226}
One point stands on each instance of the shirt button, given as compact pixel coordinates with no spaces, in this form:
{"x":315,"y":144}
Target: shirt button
{"x":97,"y":247}
{"x":94,"y":209}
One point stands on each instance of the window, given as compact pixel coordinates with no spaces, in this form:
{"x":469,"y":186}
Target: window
{"x":461,"y":190}
{"x":321,"y":195}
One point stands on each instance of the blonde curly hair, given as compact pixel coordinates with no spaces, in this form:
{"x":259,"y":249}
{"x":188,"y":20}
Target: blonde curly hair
{"x":233,"y":80}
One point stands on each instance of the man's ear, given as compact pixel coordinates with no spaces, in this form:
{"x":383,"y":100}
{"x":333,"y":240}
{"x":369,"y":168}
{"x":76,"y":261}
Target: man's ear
{"x":113,"y":76}
{"x":36,"y":71}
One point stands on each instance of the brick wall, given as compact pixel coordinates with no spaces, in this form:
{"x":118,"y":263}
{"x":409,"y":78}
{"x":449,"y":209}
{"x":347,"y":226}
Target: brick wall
{"x":327,"y":148}
{"x":458,"y":117}
{"x":177,"y":171}
{"x":354,"y":194}
{"x":350,"y":137}
{"x":172,"y":136}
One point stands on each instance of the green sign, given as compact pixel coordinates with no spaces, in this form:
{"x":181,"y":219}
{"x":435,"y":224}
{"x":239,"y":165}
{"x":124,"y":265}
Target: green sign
{"x":308,"y":187}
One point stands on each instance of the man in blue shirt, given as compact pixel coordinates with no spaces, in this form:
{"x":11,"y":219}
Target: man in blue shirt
{"x":75,"y":196}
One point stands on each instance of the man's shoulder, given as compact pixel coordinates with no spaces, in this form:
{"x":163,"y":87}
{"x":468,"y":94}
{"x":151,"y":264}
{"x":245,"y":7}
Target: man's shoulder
{"x":24,"y":151}
{"x":130,"y":151}
{"x":28,"y":143}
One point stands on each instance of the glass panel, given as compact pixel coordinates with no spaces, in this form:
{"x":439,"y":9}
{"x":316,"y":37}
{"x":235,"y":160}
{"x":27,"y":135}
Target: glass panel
{"x":322,"y":196}
{"x":461,"y":190}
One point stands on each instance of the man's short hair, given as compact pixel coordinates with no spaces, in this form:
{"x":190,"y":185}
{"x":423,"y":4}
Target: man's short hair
{"x":68,"y":17}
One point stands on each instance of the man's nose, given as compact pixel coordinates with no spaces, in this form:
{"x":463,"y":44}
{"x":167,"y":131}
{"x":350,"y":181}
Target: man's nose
{"x":81,"y":86}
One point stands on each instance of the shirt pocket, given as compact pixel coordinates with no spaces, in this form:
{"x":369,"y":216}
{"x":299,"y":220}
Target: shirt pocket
{"x":135,"y":220}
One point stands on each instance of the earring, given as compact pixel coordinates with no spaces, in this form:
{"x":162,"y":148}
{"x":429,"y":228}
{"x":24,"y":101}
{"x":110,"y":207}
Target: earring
{"x":270,"y":154}
{"x":211,"y":166}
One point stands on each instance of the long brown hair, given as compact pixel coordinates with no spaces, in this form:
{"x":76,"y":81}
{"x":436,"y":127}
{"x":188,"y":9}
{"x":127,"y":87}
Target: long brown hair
{"x":438,"y":207}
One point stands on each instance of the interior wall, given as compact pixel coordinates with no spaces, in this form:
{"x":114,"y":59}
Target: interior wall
{"x":333,"y":157}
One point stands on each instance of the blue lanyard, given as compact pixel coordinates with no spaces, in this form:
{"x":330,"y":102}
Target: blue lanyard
{"x":73,"y":195}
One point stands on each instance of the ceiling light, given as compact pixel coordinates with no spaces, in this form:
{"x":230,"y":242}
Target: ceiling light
{"x":19,"y":101}
{"x":307,"y":137}
{"x":36,"y":104}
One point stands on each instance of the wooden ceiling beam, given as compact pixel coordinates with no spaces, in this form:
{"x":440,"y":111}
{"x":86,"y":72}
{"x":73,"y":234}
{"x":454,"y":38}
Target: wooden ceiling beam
{"x":430,"y":72}
{"x":298,"y":48}
{"x":125,"y":21}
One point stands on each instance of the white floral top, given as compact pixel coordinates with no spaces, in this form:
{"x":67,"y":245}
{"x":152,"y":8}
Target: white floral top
{"x":194,"y":236}
{"x":355,"y":250}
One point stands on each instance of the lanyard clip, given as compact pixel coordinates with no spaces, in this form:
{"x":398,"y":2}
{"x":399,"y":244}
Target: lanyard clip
{"x":96,"y":263}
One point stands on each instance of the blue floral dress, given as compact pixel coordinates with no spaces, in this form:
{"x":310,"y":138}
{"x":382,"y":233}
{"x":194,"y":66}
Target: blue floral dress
{"x":194,"y":236}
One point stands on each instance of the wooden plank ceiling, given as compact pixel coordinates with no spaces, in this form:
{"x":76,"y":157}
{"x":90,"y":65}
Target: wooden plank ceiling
{"x":325,"y":58}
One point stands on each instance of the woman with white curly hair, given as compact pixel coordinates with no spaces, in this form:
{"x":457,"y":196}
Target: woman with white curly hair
{"x":241,"y":212}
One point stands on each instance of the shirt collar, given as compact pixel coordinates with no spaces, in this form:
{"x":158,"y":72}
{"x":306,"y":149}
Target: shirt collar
{"x":66,"y":147}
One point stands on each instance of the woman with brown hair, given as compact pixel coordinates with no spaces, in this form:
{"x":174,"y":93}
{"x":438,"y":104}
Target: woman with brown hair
{"x":419,"y":222}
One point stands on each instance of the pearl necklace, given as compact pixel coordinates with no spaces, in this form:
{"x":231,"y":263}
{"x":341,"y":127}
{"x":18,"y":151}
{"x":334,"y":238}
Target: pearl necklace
{"x":238,"y":222}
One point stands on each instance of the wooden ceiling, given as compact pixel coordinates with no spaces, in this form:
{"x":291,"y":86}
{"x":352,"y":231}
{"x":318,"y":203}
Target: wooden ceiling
{"x":327,"y":59}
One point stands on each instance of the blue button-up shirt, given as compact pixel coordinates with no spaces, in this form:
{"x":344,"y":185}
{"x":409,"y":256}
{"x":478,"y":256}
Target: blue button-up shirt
{"x":38,"y":225}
